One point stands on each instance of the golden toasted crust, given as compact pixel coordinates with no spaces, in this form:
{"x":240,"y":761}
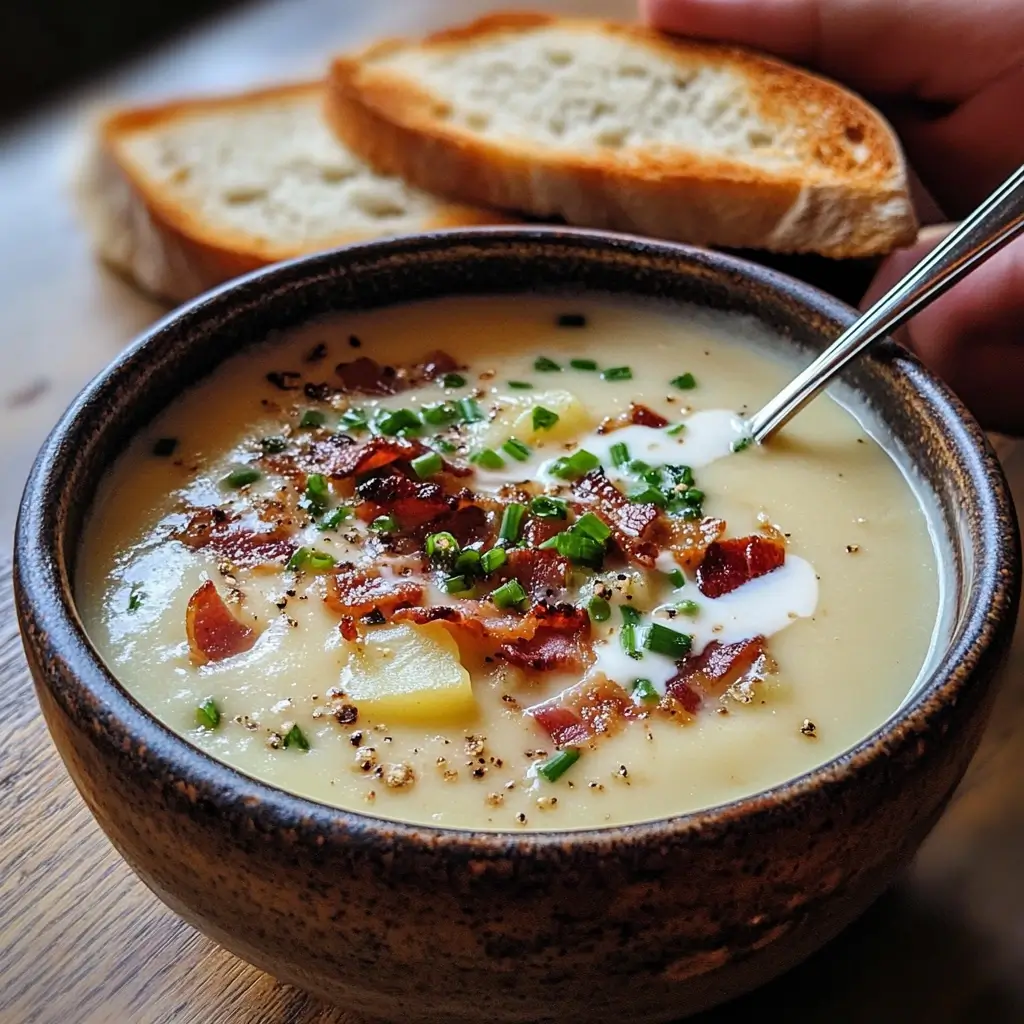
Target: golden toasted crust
{"x":165,"y":245}
{"x":830,"y":203}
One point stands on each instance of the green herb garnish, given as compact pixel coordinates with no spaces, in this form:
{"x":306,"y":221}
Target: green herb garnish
{"x":599,"y":609}
{"x":468,"y":563}
{"x":515,"y":449}
{"x":617,"y":373}
{"x":688,"y":607}
{"x":544,"y":419}
{"x":442,"y":548}
{"x":470,"y":411}
{"x":135,"y":596}
{"x":591,"y":526}
{"x":675,"y":429}
{"x":628,"y":633}
{"x":662,"y":640}
{"x":335,"y":518}
{"x":295,"y":737}
{"x":510,"y":595}
{"x":558,"y":764}
{"x":741,"y":443}
{"x":572,"y":467}
{"x":546,"y":507}
{"x":520,"y":385}
{"x":355,"y":420}
{"x":440,"y":414}
{"x":317,"y":494}
{"x":457,"y":585}
{"x":427,"y":465}
{"x":583,"y":364}
{"x":311,"y":419}
{"x":578,"y":548}
{"x":242,"y":477}
{"x":394,"y":422}
{"x":488,"y":458}
{"x":511,"y":523}
{"x":644,"y":691}
{"x":685,"y":382}
{"x":676,"y":578}
{"x":273,"y":445}
{"x":385,"y":524}
{"x":544,"y":365}
{"x":208,"y":714}
{"x":620,"y":454}
{"x":491,"y":560}
{"x":453,"y":380}
{"x":307,"y":559}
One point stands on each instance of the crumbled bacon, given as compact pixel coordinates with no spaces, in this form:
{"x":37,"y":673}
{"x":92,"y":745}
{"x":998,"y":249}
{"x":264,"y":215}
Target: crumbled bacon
{"x":437,"y":364}
{"x":213,"y":632}
{"x":537,"y":530}
{"x":584,"y":711}
{"x":347,"y":628}
{"x":716,"y":669}
{"x":541,"y":573}
{"x":688,"y":539}
{"x":632,"y":524}
{"x":480,"y":619}
{"x":468,"y":524}
{"x":358,"y":592}
{"x":365,"y":376}
{"x":728,"y":564}
{"x":243,"y":541}
{"x":411,"y":502}
{"x":638,"y":415}
{"x":338,"y":456}
{"x":559,"y":642}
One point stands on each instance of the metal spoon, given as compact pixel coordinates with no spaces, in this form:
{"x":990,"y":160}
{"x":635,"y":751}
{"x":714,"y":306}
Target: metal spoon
{"x":997,"y":221}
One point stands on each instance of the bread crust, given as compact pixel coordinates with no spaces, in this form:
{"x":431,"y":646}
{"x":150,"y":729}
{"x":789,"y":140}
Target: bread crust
{"x":166,"y":248}
{"x":831,"y":206}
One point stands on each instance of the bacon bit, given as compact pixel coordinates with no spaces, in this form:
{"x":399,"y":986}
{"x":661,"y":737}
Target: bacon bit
{"x":559,"y":641}
{"x":638,"y":415}
{"x":354,"y":460}
{"x":213,"y":632}
{"x":437,"y":364}
{"x":358,"y":592}
{"x":718,"y":668}
{"x":728,"y":564}
{"x":632,"y":525}
{"x":411,"y":502}
{"x":688,"y":539}
{"x":365,"y":376}
{"x":247,"y":541}
{"x":468,"y":524}
{"x":541,"y":574}
{"x":348,"y":629}
{"x":537,"y":530}
{"x":585,"y":711}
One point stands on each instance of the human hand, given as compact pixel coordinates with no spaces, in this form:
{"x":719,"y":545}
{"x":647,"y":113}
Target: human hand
{"x":950,"y":76}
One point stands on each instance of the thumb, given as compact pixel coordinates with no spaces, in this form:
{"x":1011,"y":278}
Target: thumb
{"x":973,"y":336}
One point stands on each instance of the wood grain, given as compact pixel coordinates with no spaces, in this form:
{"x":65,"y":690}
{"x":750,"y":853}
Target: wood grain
{"x":84,"y":942}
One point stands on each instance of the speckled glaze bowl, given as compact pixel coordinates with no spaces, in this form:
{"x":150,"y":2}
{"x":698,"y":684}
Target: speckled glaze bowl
{"x":403,"y":923}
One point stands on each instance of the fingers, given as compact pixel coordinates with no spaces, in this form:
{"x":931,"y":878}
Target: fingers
{"x":973,"y":336}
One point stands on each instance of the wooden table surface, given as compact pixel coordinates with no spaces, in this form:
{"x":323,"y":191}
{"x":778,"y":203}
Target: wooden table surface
{"x":81,"y":939}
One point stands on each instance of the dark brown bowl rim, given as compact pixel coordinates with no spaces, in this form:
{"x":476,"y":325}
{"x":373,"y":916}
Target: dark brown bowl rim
{"x":53,"y":631}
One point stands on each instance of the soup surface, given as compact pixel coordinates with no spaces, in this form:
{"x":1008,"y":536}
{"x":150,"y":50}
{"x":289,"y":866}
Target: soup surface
{"x":507,"y":563}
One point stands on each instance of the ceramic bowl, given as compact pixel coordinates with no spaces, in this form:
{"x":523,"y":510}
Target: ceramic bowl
{"x":395,"y":922}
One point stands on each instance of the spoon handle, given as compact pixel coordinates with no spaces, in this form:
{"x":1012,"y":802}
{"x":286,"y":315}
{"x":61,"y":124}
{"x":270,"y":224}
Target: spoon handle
{"x":997,"y":221}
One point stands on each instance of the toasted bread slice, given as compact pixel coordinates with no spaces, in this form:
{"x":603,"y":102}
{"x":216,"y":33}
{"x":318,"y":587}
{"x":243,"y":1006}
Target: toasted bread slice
{"x":617,"y":126}
{"x":186,"y":195}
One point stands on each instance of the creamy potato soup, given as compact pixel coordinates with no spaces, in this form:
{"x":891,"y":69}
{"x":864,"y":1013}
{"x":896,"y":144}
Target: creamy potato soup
{"x":509,"y":563}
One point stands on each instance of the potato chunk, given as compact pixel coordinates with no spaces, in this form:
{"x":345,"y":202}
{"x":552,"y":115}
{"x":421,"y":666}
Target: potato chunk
{"x":408,"y":673}
{"x":516,"y":419}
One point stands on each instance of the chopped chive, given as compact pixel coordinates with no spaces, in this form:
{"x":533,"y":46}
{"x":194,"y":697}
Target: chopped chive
{"x":544,"y":365}
{"x":583,"y":364}
{"x":164,"y":446}
{"x":578,"y":548}
{"x":546,"y":507}
{"x":295,"y":737}
{"x":676,"y":578}
{"x":630,"y":616}
{"x":558,"y":764}
{"x":319,"y":561}
{"x":543,"y":419}
{"x":662,"y":640}
{"x":453,"y":380}
{"x":617,"y":373}
{"x":298,"y":560}
{"x":741,"y":443}
{"x":646,"y":495}
{"x":675,"y":429}
{"x":515,"y":448}
{"x":335,"y":518}
{"x":317,"y":492}
{"x":685,"y":382}
{"x":440,"y":414}
{"x":273,"y":445}
{"x":488,"y":458}
{"x":693,"y":496}
{"x":135,"y":596}
{"x":355,"y":419}
{"x":470,"y":411}
{"x":638,"y":468}
{"x":628,"y":633}
{"x":511,"y":523}
{"x":392,"y":423}
{"x":208,"y":714}
{"x":692,"y":512}
{"x":620,"y":454}
{"x":385,"y":524}
{"x":520,"y":385}
{"x":311,"y":419}
{"x":442,"y":548}
{"x":242,"y":477}
{"x":571,"y":320}
{"x":457,"y":585}
{"x":571,"y":467}
{"x":468,"y":563}
{"x":644,"y":692}
{"x":591,"y":526}
{"x":688,"y":607}
{"x":427,"y":465}
{"x":599,"y":609}
{"x":441,"y":445}
{"x":510,"y":595}
{"x":491,"y":560}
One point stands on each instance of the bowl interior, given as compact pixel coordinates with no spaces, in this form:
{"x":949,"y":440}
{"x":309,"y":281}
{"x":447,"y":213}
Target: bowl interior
{"x":940,"y":441}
